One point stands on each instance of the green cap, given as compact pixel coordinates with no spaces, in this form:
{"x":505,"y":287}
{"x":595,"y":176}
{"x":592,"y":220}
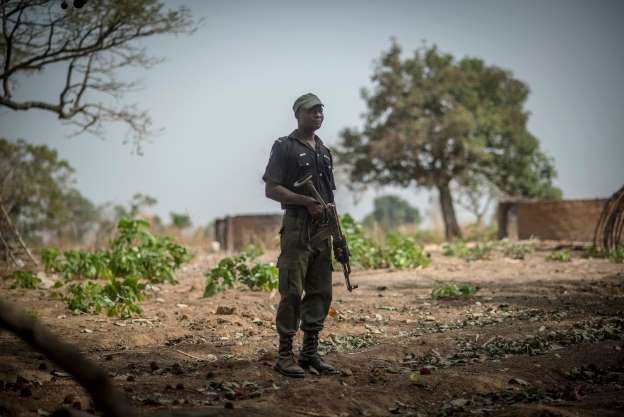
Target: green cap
{"x":306,"y":102}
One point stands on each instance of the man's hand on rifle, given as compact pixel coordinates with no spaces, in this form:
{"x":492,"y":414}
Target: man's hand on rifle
{"x":315,"y":209}
{"x":341,"y":251}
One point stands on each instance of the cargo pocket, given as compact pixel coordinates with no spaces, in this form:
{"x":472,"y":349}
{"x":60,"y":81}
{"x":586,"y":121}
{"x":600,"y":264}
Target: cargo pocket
{"x":284,"y":273}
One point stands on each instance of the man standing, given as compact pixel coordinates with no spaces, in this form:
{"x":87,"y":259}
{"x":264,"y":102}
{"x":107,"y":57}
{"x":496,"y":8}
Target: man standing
{"x":302,"y":266}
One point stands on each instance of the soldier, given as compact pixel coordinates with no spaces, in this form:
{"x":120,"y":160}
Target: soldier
{"x":301,"y":266}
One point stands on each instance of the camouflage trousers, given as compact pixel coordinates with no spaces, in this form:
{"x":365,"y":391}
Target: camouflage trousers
{"x":305,"y":278}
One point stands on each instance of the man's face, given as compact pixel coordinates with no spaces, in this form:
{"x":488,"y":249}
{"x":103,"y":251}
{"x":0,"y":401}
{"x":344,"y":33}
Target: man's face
{"x":311,"y":118}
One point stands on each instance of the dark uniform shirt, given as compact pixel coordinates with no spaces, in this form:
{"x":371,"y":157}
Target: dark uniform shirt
{"x":292,"y":159}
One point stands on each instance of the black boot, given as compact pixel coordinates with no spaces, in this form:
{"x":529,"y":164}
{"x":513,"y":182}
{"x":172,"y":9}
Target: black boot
{"x":286,"y":364}
{"x":309,"y":356}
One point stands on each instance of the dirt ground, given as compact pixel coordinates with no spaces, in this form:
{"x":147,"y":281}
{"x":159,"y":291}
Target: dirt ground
{"x":538,"y":339}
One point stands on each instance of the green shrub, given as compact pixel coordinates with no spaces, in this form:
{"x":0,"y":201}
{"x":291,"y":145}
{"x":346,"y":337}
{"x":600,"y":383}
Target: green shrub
{"x":559,"y":256}
{"x":119,"y":297}
{"x":134,"y":251}
{"x":518,"y":250}
{"x":244,"y":268}
{"x":397,"y":251}
{"x":86,"y":297}
{"x":24,"y":279}
{"x":403,"y":252}
{"x":365,"y":252}
{"x":460,"y":249}
{"x":451,"y":290}
{"x":134,"y":256}
{"x":455,"y":248}
{"x":615,"y":255}
{"x":77,"y":264}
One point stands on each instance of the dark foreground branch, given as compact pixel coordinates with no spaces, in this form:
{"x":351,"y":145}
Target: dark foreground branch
{"x":94,"y":379}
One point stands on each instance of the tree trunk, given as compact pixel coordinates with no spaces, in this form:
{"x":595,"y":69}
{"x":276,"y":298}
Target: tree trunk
{"x":448,"y":212}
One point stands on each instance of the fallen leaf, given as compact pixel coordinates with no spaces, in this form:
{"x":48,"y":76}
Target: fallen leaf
{"x":518,"y":381}
{"x":459,"y":402}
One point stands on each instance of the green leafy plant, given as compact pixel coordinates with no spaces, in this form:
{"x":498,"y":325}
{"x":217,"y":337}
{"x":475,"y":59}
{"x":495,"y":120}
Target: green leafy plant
{"x":460,"y":249}
{"x":403,"y":252}
{"x":24,"y":279}
{"x":365,"y":252}
{"x":244,"y":268}
{"x":559,"y":256}
{"x":480,"y":251}
{"x":135,"y":251}
{"x":451,"y":290}
{"x":135,"y":256}
{"x":397,"y":251}
{"x":455,"y":248}
{"x":517,"y":251}
{"x":119,"y":297}
{"x":86,"y":297}
{"x":615,"y":255}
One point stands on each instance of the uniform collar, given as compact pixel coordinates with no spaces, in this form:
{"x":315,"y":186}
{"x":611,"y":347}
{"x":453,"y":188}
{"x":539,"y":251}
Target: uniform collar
{"x":295,"y":135}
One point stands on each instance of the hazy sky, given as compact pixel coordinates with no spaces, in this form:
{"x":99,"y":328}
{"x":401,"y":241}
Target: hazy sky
{"x":224,"y":94}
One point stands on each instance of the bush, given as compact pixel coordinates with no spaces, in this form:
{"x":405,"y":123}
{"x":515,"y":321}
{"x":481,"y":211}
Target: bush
{"x":403,"y":252}
{"x":397,"y":251}
{"x":244,"y":268}
{"x":365,"y":252}
{"x":118,"y":297}
{"x":616,"y":255}
{"x":455,"y":248}
{"x":451,"y":290}
{"x":559,"y":256}
{"x":517,"y":251}
{"x":24,"y":279}
{"x":460,"y":249}
{"x":135,"y":256}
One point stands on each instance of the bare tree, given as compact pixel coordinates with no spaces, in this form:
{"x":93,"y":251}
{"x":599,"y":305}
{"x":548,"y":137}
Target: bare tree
{"x":475,"y":195}
{"x":93,"y":44}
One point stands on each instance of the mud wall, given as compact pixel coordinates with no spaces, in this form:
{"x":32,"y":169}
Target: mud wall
{"x":236,"y":232}
{"x":573,"y":220}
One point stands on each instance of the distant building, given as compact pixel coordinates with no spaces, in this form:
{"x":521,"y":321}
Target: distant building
{"x":236,"y":232}
{"x":572,"y":220}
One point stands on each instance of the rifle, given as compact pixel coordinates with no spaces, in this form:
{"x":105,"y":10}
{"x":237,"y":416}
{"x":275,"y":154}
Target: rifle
{"x":339,"y":240}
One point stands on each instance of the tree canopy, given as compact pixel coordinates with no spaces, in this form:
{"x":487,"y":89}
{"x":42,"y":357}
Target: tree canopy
{"x":93,"y":44}
{"x":391,"y":211}
{"x":37,"y":191}
{"x":432,"y":119}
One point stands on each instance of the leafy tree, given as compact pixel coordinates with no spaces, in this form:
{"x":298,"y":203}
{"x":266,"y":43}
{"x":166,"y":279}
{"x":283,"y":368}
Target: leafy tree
{"x":92,"y":44}
{"x":138,"y":203}
{"x":180,"y":220}
{"x":391,"y":211}
{"x":36,"y":190}
{"x":432,"y":120}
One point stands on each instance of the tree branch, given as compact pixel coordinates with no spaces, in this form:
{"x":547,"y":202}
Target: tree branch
{"x":88,"y":374}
